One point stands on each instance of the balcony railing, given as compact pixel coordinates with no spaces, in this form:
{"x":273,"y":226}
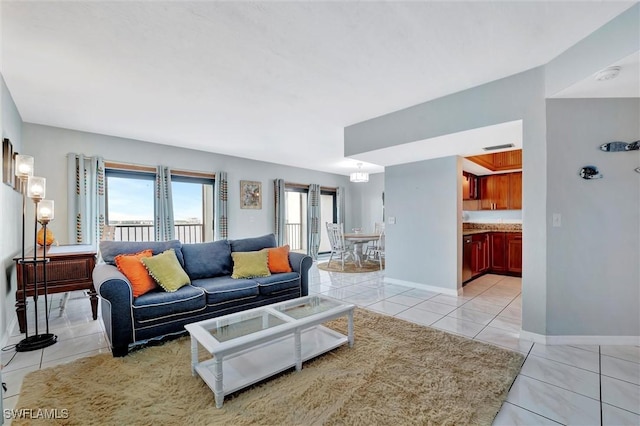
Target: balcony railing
{"x":293,"y":235}
{"x":188,"y":233}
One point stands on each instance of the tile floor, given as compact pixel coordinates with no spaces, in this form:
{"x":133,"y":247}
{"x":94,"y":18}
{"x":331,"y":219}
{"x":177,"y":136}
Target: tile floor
{"x":572,"y":385}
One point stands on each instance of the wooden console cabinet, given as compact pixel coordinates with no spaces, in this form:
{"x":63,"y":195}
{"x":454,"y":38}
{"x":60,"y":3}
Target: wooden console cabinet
{"x":69,"y":269}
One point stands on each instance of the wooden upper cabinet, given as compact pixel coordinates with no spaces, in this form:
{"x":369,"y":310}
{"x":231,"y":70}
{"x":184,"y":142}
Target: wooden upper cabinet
{"x":515,"y":191}
{"x":499,"y":161}
{"x":469,"y":186}
{"x":501,"y":192}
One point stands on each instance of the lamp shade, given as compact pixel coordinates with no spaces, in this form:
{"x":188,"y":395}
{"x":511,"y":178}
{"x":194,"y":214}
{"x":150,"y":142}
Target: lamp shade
{"x":24,"y":165}
{"x":36,"y":187}
{"x":45,"y":210}
{"x":359,"y":177}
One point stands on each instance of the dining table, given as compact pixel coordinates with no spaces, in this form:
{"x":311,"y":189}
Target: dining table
{"x":359,"y":239}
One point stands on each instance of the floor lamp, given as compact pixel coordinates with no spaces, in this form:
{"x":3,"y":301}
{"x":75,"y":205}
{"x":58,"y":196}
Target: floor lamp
{"x":34,"y":188}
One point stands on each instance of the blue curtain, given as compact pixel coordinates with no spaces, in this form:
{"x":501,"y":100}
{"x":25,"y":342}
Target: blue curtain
{"x":280,"y":212}
{"x":221,"y":229}
{"x":163,"y":205}
{"x":313,"y":221}
{"x":86,"y":198}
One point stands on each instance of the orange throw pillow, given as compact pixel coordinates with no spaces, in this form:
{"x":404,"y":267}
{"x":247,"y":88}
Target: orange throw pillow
{"x":132,"y":268}
{"x":279,"y":259}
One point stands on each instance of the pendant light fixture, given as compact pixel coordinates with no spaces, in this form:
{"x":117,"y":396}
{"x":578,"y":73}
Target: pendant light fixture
{"x":359,"y":176}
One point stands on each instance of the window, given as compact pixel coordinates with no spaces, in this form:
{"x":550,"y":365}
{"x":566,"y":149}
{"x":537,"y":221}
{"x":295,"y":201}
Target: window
{"x":296,"y":217}
{"x":130,"y":204}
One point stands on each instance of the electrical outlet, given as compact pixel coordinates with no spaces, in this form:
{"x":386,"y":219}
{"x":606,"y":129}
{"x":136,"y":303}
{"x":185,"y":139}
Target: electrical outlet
{"x":392,"y":220}
{"x":557,"y":220}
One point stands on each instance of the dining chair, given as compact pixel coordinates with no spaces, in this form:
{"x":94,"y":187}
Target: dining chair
{"x":378,"y":252}
{"x":338,"y":245}
{"x":373,"y":245}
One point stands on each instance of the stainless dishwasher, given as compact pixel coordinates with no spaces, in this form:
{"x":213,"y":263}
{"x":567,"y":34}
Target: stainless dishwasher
{"x":466,"y":258}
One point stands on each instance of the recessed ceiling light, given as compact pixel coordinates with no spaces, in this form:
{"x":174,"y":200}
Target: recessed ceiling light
{"x":608,"y":74}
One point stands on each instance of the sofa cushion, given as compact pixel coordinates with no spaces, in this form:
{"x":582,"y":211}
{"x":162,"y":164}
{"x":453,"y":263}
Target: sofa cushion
{"x":110,"y":249}
{"x":166,"y":270}
{"x":278,"y":259}
{"x":253,"y":244}
{"x":205,"y":260}
{"x":250,"y":264}
{"x":278,"y":282}
{"x":225,"y":289}
{"x":132,"y":268}
{"x":159,"y":304}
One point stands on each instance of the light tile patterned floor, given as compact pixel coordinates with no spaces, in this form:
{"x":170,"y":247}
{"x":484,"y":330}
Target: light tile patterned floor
{"x":573,"y":385}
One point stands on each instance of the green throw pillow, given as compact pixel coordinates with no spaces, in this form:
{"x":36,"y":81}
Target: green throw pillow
{"x":166,"y":270}
{"x":250,"y":264}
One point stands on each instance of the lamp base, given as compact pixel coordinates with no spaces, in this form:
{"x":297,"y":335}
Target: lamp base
{"x":37,"y":341}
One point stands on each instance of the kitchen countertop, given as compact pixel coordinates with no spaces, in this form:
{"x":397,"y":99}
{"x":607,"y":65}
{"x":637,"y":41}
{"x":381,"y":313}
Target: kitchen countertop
{"x":481,"y":228}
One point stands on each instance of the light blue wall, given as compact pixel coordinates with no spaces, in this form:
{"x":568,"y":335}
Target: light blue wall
{"x":422,"y":246}
{"x":366,"y":202}
{"x":10,"y":215}
{"x":594,"y":257}
{"x":519,"y":97}
{"x":50,"y":145}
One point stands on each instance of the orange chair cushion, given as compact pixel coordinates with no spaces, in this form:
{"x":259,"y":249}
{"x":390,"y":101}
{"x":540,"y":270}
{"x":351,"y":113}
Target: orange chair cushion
{"x":132,"y":268}
{"x":279,"y":259}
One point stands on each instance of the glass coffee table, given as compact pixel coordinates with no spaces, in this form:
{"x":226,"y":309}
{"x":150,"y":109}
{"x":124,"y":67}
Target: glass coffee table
{"x":250,"y":346}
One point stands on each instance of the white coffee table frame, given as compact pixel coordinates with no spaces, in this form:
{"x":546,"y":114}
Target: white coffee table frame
{"x":241,"y":361}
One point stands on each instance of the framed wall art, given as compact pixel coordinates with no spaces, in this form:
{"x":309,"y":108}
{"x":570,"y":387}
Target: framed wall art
{"x":7,"y":163}
{"x":250,"y":194}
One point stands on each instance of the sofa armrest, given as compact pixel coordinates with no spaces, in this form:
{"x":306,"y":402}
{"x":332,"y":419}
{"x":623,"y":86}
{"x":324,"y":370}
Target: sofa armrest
{"x":301,"y":263}
{"x":114,"y":289}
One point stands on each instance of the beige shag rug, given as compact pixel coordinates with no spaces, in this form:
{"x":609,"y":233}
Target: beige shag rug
{"x":350,"y":267}
{"x":397,"y":373}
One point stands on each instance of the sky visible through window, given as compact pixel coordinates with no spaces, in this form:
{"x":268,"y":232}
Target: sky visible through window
{"x":131,"y":200}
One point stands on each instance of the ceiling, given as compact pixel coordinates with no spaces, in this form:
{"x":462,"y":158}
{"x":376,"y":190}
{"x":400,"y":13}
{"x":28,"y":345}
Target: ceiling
{"x":271,"y":81}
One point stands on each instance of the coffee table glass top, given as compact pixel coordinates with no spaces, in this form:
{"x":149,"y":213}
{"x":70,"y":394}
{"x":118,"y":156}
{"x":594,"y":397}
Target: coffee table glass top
{"x":308,"y":306}
{"x":241,"y":325}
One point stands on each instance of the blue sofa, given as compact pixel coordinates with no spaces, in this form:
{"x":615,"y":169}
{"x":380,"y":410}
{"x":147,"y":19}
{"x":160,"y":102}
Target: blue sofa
{"x":130,"y":321}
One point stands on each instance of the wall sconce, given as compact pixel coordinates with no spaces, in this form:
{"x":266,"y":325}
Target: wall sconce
{"x":24,"y":166}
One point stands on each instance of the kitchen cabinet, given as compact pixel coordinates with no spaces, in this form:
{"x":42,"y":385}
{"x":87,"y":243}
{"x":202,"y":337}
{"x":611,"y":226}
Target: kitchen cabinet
{"x":469,"y":186}
{"x":515,"y":191}
{"x":501,"y":192}
{"x":479,"y":254}
{"x":506,"y":252}
{"x":514,"y":253}
{"x":497,"y":241}
{"x":494,"y":252}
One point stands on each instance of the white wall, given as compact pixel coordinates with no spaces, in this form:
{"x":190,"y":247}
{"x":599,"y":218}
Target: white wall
{"x":50,"y":145}
{"x":423,"y":246}
{"x":10,"y":216}
{"x":594,"y":256}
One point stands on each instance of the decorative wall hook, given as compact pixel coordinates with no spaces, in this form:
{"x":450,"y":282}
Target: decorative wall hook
{"x":590,"y":172}
{"x":620,"y":146}
{"x":637,"y":169}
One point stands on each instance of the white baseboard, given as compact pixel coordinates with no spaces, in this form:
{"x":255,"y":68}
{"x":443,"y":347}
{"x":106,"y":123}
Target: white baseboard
{"x":447,"y":291}
{"x":581,"y":340}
